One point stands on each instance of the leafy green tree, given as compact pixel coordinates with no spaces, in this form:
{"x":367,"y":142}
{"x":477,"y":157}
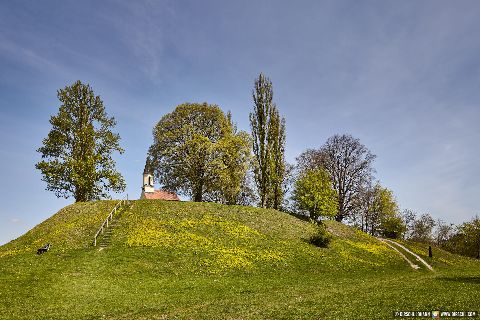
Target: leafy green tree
{"x":393,"y":227}
{"x":471,"y":235}
{"x":197,"y":152}
{"x":380,"y":214}
{"x":463,"y":239}
{"x":385,"y":204}
{"x":349,"y":164}
{"x":77,"y":153}
{"x":268,"y":132}
{"x":422,"y":228}
{"x":313,"y":192}
{"x":234,"y":159}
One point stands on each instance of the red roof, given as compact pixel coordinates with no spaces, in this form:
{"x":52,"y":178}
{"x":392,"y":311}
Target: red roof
{"x":161,"y":195}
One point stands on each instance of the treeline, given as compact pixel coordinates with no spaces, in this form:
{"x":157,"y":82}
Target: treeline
{"x":197,"y":151}
{"x":462,"y":239}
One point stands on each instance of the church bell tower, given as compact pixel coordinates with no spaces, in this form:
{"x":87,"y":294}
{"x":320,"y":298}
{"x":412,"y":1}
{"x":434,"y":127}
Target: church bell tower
{"x":147,"y":185}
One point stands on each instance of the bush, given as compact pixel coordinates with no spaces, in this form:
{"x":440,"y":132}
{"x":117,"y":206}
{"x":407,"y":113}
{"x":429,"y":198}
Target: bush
{"x":322,"y":237}
{"x":393,"y":227}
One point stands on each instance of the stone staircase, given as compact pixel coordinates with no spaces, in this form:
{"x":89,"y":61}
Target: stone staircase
{"x":107,"y":235}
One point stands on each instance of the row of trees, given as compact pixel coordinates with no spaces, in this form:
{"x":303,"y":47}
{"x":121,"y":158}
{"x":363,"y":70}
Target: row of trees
{"x":199,"y":152}
{"x":463,"y":238}
{"x":336,"y":181}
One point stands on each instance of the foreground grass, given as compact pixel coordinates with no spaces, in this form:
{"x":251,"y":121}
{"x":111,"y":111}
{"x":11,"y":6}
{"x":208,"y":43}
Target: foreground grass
{"x":214,"y":265}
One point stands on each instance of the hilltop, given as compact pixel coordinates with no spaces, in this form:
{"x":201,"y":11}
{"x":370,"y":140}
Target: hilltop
{"x":205,"y":260}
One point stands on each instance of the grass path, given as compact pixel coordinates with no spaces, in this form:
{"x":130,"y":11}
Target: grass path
{"x":410,"y":252}
{"x":414,"y":266}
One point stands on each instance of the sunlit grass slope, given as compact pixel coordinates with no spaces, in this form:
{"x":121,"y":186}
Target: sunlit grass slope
{"x":441,"y":259}
{"x":216,"y":238}
{"x":72,"y":227}
{"x":209,"y":261}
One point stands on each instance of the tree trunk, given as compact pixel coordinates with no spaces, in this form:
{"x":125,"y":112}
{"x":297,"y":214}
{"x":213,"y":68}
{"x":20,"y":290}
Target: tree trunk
{"x":341,"y":214}
{"x":276,"y":198}
{"x":263,"y":198}
{"x":198,"y":195}
{"x":80,"y":196}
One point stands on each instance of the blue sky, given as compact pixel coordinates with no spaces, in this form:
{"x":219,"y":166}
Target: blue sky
{"x":402,"y":76}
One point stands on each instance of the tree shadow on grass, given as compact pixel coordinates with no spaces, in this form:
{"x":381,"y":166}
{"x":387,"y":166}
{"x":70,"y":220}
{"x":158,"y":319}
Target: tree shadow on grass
{"x":462,"y":279}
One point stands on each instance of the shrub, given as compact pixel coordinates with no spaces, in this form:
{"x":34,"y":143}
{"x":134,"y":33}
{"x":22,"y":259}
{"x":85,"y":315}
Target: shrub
{"x":322,"y":237}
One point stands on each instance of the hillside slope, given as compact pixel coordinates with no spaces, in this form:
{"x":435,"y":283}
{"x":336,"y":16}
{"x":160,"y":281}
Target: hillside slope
{"x":72,"y":227}
{"x":214,"y":237}
{"x":205,"y":260}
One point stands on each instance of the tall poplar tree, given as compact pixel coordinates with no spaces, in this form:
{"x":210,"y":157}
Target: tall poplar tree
{"x":268,"y":133}
{"x":277,"y":163}
{"x":77,"y":153}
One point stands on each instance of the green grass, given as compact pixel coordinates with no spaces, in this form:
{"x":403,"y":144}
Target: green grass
{"x":170,"y":260}
{"x":72,"y":227}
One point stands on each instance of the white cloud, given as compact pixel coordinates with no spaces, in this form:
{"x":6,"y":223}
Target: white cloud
{"x":15,"y":220}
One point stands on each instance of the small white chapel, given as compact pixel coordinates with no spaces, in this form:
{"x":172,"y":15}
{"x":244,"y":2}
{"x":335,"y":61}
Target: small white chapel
{"x":148,"y":189}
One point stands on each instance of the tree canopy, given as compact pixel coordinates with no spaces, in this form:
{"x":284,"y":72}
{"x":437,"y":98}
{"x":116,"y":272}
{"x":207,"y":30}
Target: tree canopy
{"x":377,"y":212}
{"x":234,"y":159}
{"x":77,"y":153}
{"x":349,"y":164}
{"x":471,"y":232}
{"x":385,"y":209}
{"x":197,"y":152}
{"x":313,"y":192}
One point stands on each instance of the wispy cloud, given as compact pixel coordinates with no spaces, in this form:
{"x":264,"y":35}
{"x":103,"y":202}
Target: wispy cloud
{"x":144,"y":34}
{"x":15,"y":220}
{"x":11,"y":50}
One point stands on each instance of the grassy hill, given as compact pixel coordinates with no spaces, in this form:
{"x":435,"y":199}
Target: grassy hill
{"x":209,"y":261}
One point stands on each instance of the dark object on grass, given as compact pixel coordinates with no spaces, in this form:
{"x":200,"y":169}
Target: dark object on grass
{"x":44,"y":249}
{"x":430,"y":251}
{"x":321,"y":238}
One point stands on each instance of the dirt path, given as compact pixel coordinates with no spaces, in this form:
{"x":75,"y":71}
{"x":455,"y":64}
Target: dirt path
{"x":389,"y":242}
{"x":414,"y":266}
